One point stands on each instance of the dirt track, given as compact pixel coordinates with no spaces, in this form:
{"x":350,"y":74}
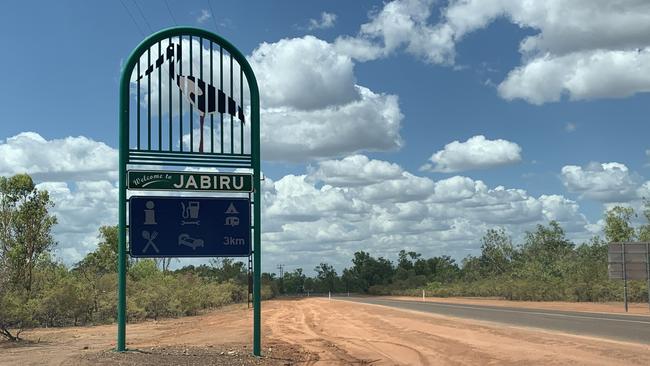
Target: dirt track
{"x":322,"y":332}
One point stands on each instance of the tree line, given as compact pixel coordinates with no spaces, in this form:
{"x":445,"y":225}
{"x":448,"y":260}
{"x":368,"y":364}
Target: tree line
{"x":545,"y":266}
{"x":37,"y":290}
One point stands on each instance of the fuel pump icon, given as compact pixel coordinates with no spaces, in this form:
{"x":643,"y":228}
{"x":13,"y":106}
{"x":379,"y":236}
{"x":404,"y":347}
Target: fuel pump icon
{"x":190,"y":213}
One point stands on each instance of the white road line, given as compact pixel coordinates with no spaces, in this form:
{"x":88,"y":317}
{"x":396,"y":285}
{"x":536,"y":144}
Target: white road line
{"x":523,"y":312}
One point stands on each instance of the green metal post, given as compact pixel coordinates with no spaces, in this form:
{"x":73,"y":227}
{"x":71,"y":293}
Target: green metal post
{"x":121,"y":260}
{"x":257,"y":218}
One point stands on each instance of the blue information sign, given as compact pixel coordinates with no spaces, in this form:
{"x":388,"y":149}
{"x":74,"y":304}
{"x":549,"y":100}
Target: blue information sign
{"x":189,"y":227}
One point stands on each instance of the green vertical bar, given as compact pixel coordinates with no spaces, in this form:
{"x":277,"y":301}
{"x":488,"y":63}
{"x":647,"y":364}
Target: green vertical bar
{"x":149,"y":101}
{"x":241,"y":104}
{"x":138,"y":107}
{"x":180,"y":96}
{"x":257,"y":212}
{"x":191,"y":105}
{"x":211,"y":114}
{"x":232,"y":130}
{"x":124,"y":146}
{"x":169,"y":91}
{"x":221,"y":88}
{"x":159,"y":103}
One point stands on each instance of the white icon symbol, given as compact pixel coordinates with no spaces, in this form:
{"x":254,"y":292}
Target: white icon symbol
{"x":188,"y":241}
{"x":150,"y":237}
{"x":149,"y":214}
{"x":190,"y":212}
{"x":232,"y":210}
{"x":232,"y":221}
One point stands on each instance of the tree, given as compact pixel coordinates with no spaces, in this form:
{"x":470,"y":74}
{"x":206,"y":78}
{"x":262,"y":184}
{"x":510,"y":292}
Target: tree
{"x":439,"y":269}
{"x":369,"y":271}
{"x":546,"y":253}
{"x":102,"y":260}
{"x":497,"y":252}
{"x":25,"y":227}
{"x":294,"y":281}
{"x":327,"y":276}
{"x":228,"y":269}
{"x":644,"y":230}
{"x":99,"y":263}
{"x":25,"y":237}
{"x":617,"y":224}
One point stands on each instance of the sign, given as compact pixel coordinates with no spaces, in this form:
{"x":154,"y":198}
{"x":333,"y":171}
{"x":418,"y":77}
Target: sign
{"x":176,"y":81}
{"x":189,"y":181}
{"x":631,"y":264}
{"x":189,"y":227}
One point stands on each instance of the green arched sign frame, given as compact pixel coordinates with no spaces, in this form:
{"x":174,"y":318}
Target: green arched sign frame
{"x":129,"y":155}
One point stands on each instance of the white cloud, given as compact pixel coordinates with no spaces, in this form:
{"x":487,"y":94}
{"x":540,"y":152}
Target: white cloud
{"x":371,"y":123}
{"x":475,"y":153}
{"x":401,"y":24}
{"x":580,"y":75}
{"x":338,"y":207}
{"x":303,"y":73}
{"x":204,"y":16}
{"x":570,"y":127}
{"x":81,"y":208}
{"x":356,"y":203}
{"x":355,"y":170}
{"x":70,"y":158}
{"x":312,"y":106}
{"x":583,"y":49}
{"x":326,"y":20}
{"x":606,"y":182}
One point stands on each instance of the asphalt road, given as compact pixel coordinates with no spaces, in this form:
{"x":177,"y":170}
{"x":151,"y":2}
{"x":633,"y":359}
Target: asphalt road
{"x":628,"y":328}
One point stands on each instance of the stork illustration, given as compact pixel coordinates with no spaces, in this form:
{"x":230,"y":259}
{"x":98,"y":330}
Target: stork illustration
{"x":204,"y":96}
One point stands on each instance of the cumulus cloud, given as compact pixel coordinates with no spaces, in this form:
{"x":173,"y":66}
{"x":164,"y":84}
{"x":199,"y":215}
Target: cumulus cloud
{"x":81,"y":208}
{"x":57,"y":159}
{"x":606,"y":182}
{"x":475,"y":153}
{"x":303,"y":73}
{"x":357,"y":203}
{"x":582,"y":49}
{"x":326,"y":20}
{"x":401,"y":24}
{"x":337,"y":207}
{"x":312,"y":106}
{"x":371,"y":123}
{"x":355,"y":170}
{"x":581,"y":75}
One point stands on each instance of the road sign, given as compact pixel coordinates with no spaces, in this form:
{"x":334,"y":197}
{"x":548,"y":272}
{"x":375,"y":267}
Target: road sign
{"x":629,"y":261}
{"x":189,"y":226}
{"x":631,"y":264}
{"x":189,"y":181}
{"x":178,"y":80}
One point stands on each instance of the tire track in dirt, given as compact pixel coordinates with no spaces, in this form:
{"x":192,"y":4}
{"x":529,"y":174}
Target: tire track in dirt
{"x":289,"y":324}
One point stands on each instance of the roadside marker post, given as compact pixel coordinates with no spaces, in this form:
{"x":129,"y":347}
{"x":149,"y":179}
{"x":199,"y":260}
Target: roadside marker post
{"x":629,"y":261}
{"x":191,"y":79}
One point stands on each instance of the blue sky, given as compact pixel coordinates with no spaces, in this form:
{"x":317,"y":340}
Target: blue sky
{"x":561,"y":103}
